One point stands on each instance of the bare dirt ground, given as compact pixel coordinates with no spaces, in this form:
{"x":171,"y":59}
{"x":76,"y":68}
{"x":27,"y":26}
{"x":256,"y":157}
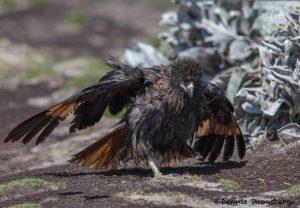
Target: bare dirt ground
{"x":94,"y":27}
{"x":267,"y":173}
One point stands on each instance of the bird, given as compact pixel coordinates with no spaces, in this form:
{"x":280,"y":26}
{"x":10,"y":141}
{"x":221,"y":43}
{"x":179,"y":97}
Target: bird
{"x":171,"y":114}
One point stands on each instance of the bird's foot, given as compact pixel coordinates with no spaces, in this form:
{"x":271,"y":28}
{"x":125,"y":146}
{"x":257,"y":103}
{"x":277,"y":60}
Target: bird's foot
{"x":154,"y":169}
{"x":158,"y":175}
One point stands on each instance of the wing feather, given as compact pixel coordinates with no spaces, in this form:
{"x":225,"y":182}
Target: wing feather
{"x":217,"y":147}
{"x":87,"y":106}
{"x":48,"y":129}
{"x":219,"y":127}
{"x":36,"y":130}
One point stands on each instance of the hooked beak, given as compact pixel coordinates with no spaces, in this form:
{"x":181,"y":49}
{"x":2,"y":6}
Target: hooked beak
{"x":189,"y":89}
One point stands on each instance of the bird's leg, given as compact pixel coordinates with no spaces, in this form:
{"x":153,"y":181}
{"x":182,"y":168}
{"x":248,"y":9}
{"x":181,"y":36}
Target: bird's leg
{"x":154,"y":169}
{"x":160,"y":161}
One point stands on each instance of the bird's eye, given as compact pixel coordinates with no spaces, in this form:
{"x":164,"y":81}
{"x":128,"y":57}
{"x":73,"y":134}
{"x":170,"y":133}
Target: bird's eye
{"x":187,"y":80}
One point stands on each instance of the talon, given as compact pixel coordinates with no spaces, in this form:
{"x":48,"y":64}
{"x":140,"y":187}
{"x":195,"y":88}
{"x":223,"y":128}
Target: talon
{"x":154,"y":169}
{"x":157,"y":174}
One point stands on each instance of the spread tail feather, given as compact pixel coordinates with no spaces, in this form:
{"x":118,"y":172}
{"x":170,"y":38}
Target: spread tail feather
{"x":211,"y":139}
{"x":101,"y":153}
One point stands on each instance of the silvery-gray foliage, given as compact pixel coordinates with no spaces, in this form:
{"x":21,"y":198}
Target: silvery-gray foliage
{"x":219,"y":34}
{"x":252,"y":49}
{"x":275,"y":102}
{"x":289,"y":133}
{"x":144,"y":55}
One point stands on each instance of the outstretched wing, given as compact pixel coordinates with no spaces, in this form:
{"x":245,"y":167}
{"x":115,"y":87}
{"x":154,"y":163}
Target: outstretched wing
{"x":218,"y":127}
{"x":114,"y":91}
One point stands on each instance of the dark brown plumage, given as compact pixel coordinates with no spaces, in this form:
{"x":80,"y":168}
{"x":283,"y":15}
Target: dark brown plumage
{"x":171,"y":114}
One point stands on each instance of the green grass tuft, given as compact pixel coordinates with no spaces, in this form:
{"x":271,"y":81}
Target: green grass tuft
{"x":33,"y":183}
{"x":8,"y":5}
{"x":35,"y":70}
{"x":122,"y":194}
{"x":294,"y":190}
{"x":3,"y":74}
{"x":85,"y":80}
{"x":97,"y":68}
{"x":119,"y":115}
{"x":26,"y":205}
{"x":166,"y":5}
{"x":230,"y":184}
{"x":78,"y":19}
{"x":38,"y":3}
{"x":155,"y":42}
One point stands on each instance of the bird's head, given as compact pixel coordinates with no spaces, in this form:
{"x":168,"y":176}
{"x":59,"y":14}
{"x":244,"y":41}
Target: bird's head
{"x":186,"y":72}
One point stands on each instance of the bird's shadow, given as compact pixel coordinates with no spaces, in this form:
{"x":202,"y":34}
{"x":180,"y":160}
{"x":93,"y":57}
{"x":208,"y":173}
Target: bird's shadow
{"x":202,"y":169}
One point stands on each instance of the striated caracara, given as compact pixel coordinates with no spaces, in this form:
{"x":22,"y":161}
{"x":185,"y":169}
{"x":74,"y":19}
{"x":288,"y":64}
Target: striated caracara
{"x":171,"y":114}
